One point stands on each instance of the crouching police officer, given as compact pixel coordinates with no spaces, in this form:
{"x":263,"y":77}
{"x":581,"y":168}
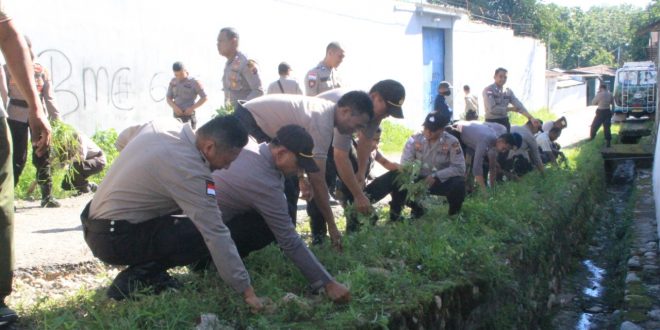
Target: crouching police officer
{"x":136,"y":219}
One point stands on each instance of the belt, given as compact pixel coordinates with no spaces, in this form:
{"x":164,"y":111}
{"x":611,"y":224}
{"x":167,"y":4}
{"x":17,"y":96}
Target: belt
{"x":19,"y":103}
{"x":103,"y":225}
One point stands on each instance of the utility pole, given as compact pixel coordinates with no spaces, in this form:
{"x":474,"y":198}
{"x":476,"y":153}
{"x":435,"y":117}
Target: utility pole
{"x":618,"y":57}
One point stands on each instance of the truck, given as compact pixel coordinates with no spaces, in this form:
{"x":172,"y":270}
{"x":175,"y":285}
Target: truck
{"x":635,"y":89}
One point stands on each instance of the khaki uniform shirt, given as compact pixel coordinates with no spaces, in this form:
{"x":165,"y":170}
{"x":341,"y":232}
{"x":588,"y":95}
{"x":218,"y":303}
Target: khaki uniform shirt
{"x":160,"y":172}
{"x":481,"y":138}
{"x":87,"y":148}
{"x":184,"y":92}
{"x":604,"y":100}
{"x":344,"y":141}
{"x":317,"y":116}
{"x":288,"y":86}
{"x":321,"y":79}
{"x":529,"y":146}
{"x":44,"y":88}
{"x":253,"y":183}
{"x":472,"y":103}
{"x":497,"y":101}
{"x":443,"y":158}
{"x":241,"y":79}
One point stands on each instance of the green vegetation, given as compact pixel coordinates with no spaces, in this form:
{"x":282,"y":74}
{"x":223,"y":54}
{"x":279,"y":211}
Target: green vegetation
{"x":394,"y":137}
{"x":542,"y":114}
{"x":504,"y":247}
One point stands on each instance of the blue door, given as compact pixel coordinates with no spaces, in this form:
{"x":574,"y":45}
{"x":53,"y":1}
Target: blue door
{"x":434,"y":64}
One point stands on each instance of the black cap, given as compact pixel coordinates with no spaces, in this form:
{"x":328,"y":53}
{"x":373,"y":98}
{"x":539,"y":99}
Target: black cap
{"x":283,"y":68}
{"x":517,"y":140}
{"x":435,"y":121}
{"x":297,"y":140}
{"x":393,"y":94}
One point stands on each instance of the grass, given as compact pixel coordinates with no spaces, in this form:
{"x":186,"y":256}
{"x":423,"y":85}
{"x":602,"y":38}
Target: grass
{"x":542,"y":114}
{"x":504,"y":243}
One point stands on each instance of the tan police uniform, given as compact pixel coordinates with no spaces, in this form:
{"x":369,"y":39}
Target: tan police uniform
{"x":497,"y":100}
{"x":321,"y":79}
{"x":183,"y":93}
{"x":158,"y":173}
{"x":284,"y":86}
{"x":241,"y":79}
{"x":442,"y":158}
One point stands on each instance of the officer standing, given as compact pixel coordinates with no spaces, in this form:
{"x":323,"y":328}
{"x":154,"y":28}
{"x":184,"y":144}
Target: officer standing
{"x":497,"y":98}
{"x":144,"y":196}
{"x":17,"y":108}
{"x":387,"y":97}
{"x":255,"y":210}
{"x":604,"y":102}
{"x":324,"y":76}
{"x":485,"y":141}
{"x":284,"y":85}
{"x":182,"y":93}
{"x":264,"y":116}
{"x":20,"y":64}
{"x":241,"y":76}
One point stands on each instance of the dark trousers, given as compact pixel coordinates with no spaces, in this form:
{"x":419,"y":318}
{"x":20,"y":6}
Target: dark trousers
{"x":249,"y":232}
{"x":6,"y":211}
{"x":517,"y":164}
{"x":471,"y":115}
{"x":291,"y":189}
{"x":82,"y":171}
{"x":603,"y":117}
{"x":163,"y":242}
{"x":503,"y":121}
{"x":317,"y":223}
{"x":20,"y":136}
{"x":192,"y":119}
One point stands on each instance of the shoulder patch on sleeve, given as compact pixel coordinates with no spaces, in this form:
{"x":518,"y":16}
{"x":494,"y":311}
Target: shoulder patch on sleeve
{"x":253,"y":66}
{"x":210,"y":188}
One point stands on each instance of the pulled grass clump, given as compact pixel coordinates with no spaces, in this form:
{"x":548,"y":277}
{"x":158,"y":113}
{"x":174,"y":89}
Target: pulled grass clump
{"x":507,"y":247}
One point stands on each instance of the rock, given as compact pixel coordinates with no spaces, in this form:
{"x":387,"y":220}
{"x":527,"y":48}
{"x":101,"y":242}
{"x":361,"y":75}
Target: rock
{"x":651,"y":269}
{"x":211,"y":321}
{"x":594,"y":309}
{"x":638,"y":301}
{"x":379,"y":271}
{"x":438,"y":302}
{"x":630,"y":326}
{"x":655,"y":314}
{"x":650,"y":255}
{"x":651,"y":245}
{"x":632,"y":277}
{"x":634,"y":263}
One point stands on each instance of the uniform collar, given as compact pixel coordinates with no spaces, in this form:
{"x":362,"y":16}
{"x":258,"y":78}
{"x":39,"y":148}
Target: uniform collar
{"x":323,"y":66}
{"x":230,"y":61}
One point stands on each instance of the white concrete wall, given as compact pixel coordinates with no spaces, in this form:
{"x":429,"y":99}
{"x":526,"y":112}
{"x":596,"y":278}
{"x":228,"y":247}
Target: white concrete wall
{"x":136,"y":42}
{"x":561,"y":100}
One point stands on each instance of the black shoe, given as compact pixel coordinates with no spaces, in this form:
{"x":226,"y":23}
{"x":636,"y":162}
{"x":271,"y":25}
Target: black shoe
{"x":163,"y":281}
{"x":126,"y":284}
{"x":93,"y":187}
{"x":50,"y":203}
{"x":7,"y":315}
{"x":317,"y":239}
{"x":608,"y":144}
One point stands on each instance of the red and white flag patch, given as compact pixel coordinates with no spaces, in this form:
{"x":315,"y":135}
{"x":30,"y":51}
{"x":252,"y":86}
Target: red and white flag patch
{"x":210,"y":188}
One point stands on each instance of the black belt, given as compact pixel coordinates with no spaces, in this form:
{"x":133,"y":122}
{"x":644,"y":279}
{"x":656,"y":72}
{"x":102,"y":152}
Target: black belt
{"x":19,"y":103}
{"x":104,"y":225}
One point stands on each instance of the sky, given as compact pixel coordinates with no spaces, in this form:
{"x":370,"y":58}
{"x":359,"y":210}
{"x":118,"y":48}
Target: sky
{"x":586,"y":4}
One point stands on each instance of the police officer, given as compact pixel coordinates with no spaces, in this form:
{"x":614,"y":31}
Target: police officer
{"x":264,"y":116}
{"x":604,"y":102}
{"x":88,"y":160}
{"x":388,"y":97}
{"x":324,"y":76}
{"x":284,"y":85}
{"x":146,"y":216}
{"x":443,"y":169}
{"x":560,"y":123}
{"x":255,"y":210}
{"x":182,"y":93}
{"x":497,"y":99}
{"x":484,"y":141}
{"x":20,"y":64}
{"x":471,"y":104}
{"x":522,"y":159}
{"x":241,"y":76}
{"x":17,"y":109}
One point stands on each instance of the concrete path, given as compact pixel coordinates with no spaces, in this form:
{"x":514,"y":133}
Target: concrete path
{"x":48,"y":237}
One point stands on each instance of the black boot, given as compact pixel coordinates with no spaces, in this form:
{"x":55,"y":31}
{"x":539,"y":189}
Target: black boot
{"x":7,"y":315}
{"x":47,"y":199}
{"x":149,"y":278}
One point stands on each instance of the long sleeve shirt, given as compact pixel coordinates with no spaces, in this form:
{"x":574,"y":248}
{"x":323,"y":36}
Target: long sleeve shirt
{"x":529,"y":148}
{"x":253,"y":183}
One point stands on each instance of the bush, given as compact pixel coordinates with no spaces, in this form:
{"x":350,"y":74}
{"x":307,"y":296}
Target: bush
{"x":394,"y":137}
{"x":542,"y":114}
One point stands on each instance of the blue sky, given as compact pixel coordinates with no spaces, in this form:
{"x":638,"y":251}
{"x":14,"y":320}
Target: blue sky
{"x":586,"y":4}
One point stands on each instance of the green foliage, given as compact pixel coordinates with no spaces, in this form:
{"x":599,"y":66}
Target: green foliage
{"x":225,"y":110}
{"x":507,"y":243}
{"x":394,"y":137}
{"x":106,"y":141}
{"x":542,"y":114}
{"x":407,"y":180}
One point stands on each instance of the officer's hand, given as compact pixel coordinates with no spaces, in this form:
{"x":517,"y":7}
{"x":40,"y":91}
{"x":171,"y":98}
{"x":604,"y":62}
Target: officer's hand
{"x":335,"y":237}
{"x":362,"y":204}
{"x":178,"y":111}
{"x":40,"y":131}
{"x":337,"y":292}
{"x":306,"y":192}
{"x":256,"y":304}
{"x":189,"y":112}
{"x":430,"y":180}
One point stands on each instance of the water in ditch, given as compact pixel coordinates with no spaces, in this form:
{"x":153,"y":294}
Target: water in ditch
{"x":591,"y":296}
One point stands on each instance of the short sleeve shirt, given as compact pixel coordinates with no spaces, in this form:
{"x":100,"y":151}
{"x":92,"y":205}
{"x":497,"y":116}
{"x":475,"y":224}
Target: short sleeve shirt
{"x":184,"y":92}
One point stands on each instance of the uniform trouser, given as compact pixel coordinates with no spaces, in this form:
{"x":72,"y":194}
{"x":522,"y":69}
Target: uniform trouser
{"x":249,"y":232}
{"x":317,"y":223}
{"x":192,"y":119}
{"x":518,"y":164}
{"x":19,"y":134}
{"x":83,"y":170}
{"x":504,"y":121}
{"x":6,"y":211}
{"x":471,"y":115}
{"x":603,"y":117}
{"x":163,"y":242}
